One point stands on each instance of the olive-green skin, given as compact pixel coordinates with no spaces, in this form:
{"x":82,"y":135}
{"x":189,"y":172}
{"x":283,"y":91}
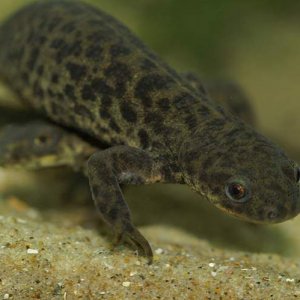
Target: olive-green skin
{"x":84,"y":70}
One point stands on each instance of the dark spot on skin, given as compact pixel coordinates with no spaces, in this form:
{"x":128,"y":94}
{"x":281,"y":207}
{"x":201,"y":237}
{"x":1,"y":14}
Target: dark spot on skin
{"x":96,"y":23}
{"x":64,"y":50}
{"x":218,"y":177}
{"x":274,"y":186}
{"x":144,"y":138}
{"x":100,"y":86}
{"x":129,"y":131}
{"x":94,"y":53}
{"x":202,"y":175}
{"x":25,"y":77}
{"x":192,"y":154}
{"x":233,"y":132}
{"x":113,"y":213}
{"x":68,"y":27}
{"x":17,"y":54}
{"x":183,"y":101}
{"x":74,"y":49}
{"x":207,"y":163}
{"x":191,"y":121}
{"x":58,"y":43}
{"x":76,"y":71}
{"x":60,"y":96}
{"x":101,"y":205}
{"x":55,"y":109}
{"x":97,"y":86}
{"x":106,"y":101}
{"x":88,"y":93}
{"x":40,"y":70}
{"x":156,"y":144}
{"x":37,"y":90}
{"x":148,"y":65}
{"x":118,"y":70}
{"x":149,"y":117}
{"x":113,"y":125}
{"x":128,"y":113}
{"x":41,"y":40}
{"x":50,"y":93}
{"x":78,"y":34}
{"x":83,"y":111}
{"x":103,"y":129}
{"x":54,"y":78}
{"x":289,"y":171}
{"x":217,"y":123}
{"x":148,"y":84}
{"x":104,"y":113}
{"x":260,"y":214}
{"x":164,"y":104}
{"x":167,"y":173}
{"x":30,"y":37}
{"x":69,"y":91}
{"x":54,"y":22}
{"x":98,"y":37}
{"x":33,"y":58}
{"x":155,"y":121}
{"x":203,"y":110}
{"x":72,"y":119}
{"x":118,"y":50}
{"x":120,"y":74}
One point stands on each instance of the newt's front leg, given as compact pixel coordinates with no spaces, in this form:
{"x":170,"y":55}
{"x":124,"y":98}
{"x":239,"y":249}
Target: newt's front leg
{"x":106,"y":171}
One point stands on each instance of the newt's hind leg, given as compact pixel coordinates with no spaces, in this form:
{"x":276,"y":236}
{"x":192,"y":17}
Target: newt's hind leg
{"x":106,"y":171}
{"x":233,"y":98}
{"x":226,"y":93}
{"x":39,"y":144}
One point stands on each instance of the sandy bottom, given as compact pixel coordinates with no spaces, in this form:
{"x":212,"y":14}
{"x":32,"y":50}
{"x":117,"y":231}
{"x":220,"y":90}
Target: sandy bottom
{"x":62,"y":251}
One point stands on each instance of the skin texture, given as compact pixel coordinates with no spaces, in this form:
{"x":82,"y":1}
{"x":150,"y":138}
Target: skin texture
{"x":42,"y":144}
{"x":87,"y":72}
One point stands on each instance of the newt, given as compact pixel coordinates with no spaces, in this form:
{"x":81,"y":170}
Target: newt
{"x":141,"y":122}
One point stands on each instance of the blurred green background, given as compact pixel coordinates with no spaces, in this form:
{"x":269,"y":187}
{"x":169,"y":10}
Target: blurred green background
{"x":254,"y":42}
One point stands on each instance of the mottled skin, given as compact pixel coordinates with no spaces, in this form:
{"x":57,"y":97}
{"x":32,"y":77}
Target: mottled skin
{"x":85,"y":71}
{"x":42,"y":144}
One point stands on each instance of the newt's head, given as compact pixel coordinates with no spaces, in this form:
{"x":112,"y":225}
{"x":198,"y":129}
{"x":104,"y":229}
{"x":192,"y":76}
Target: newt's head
{"x":38,"y":145}
{"x":243,"y":174}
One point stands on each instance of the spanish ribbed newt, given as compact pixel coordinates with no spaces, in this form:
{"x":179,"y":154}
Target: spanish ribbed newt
{"x":116,"y":111}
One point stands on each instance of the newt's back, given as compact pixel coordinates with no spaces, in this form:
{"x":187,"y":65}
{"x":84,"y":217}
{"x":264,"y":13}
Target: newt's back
{"x":86,"y":70}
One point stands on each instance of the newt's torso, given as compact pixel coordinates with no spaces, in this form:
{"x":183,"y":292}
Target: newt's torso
{"x":84,"y":70}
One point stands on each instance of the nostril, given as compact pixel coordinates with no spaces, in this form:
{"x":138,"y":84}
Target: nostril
{"x":272,"y":214}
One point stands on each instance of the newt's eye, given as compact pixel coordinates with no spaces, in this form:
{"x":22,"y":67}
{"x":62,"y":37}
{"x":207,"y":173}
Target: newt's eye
{"x":42,"y":140}
{"x":237,"y":190}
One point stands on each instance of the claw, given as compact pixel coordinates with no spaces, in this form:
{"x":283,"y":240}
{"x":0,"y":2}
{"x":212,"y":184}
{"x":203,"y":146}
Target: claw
{"x":137,"y":240}
{"x":142,"y":245}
